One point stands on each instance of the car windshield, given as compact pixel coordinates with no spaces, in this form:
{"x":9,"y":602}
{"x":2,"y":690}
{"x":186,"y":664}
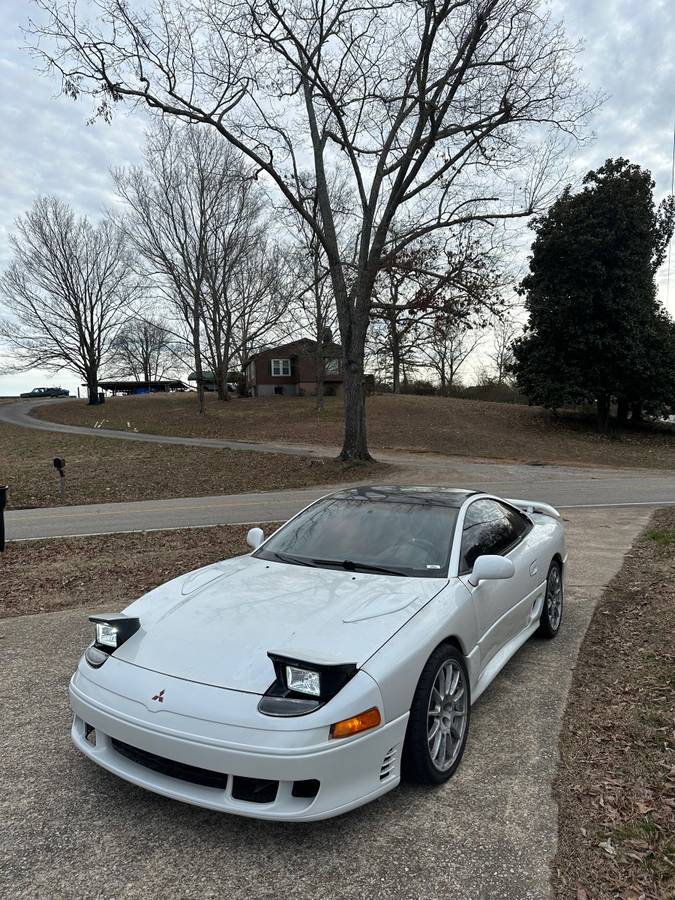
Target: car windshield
{"x":383,"y":537}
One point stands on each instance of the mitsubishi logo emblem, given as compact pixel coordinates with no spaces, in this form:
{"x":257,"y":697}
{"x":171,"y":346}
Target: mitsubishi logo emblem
{"x":159,"y":697}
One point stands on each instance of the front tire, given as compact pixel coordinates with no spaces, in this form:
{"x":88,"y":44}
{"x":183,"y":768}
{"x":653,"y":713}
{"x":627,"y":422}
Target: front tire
{"x":439,"y":718}
{"x":552,"y":610}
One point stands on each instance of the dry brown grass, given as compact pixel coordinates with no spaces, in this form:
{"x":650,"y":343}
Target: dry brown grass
{"x":103,"y":470}
{"x":442,"y":425}
{"x":110,"y":570}
{"x":616,"y":784}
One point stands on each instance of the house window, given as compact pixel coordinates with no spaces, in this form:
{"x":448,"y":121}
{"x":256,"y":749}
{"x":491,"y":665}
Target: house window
{"x":332,"y":366}
{"x":281,"y":367}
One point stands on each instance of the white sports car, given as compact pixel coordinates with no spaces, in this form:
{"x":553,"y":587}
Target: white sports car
{"x":298,"y":681}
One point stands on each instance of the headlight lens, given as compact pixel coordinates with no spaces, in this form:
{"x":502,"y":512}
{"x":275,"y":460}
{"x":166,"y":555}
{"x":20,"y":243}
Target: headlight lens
{"x":106,"y":635}
{"x":304,"y":681}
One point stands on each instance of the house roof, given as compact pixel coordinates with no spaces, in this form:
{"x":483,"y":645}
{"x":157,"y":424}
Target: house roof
{"x":303,"y":345}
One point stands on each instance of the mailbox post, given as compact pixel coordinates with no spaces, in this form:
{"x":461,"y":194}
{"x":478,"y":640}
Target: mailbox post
{"x":3,"y":503}
{"x":60,"y":466}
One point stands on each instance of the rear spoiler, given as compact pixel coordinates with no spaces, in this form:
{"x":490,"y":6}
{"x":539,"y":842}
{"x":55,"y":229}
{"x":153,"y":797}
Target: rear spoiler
{"x":534,"y":506}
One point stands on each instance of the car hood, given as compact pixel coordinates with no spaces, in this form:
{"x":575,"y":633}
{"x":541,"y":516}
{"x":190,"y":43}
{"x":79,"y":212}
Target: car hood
{"x":216,"y":625}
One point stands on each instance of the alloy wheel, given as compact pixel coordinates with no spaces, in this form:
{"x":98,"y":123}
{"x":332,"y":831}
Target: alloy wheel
{"x":447,"y":715}
{"x":554,"y":598}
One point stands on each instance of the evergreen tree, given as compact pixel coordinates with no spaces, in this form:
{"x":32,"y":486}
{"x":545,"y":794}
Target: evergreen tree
{"x":597,"y":330}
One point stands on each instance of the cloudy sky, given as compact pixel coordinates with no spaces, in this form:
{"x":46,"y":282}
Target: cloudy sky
{"x":47,"y":147}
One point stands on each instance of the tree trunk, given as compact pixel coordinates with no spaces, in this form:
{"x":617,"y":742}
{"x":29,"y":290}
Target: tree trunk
{"x":622,"y":408}
{"x":355,"y":446}
{"x":636,"y":411}
{"x":395,"y":356}
{"x":199,"y":372}
{"x":92,"y":388}
{"x":319,"y":369}
{"x":221,"y":382}
{"x":603,"y":412}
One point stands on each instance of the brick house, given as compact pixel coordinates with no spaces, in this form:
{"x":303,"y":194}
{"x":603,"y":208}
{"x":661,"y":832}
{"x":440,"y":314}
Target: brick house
{"x":290,"y":370}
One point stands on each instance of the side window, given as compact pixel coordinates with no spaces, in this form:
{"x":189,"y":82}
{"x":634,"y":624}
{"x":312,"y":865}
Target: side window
{"x":521,"y":524}
{"x":489,"y":528}
{"x":281,"y":367}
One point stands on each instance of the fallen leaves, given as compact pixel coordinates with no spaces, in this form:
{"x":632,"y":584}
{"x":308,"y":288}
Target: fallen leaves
{"x":616,"y":786}
{"x":43,"y":576}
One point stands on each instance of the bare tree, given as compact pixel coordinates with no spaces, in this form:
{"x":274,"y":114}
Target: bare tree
{"x":313,"y":308}
{"x":429,"y":300}
{"x":435,"y":111}
{"x":173,"y":213}
{"x":448,"y":344}
{"x":68,"y":291}
{"x":262,"y":288}
{"x":144,"y":349}
{"x":240,"y":303}
{"x":399,"y":307}
{"x":195,"y":216}
{"x":505,"y":330}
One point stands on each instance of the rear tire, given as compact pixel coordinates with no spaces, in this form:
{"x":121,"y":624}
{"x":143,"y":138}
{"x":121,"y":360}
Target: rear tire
{"x":439,"y":718}
{"x":552,"y":610}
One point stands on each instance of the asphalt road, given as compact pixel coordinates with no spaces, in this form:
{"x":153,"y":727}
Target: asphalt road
{"x":71,"y":830}
{"x":563,"y":487}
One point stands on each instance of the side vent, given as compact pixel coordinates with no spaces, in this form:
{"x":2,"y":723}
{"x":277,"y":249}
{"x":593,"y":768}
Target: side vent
{"x":388,"y":763}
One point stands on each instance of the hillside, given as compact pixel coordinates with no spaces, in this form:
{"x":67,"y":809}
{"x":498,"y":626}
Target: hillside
{"x":422,"y":424}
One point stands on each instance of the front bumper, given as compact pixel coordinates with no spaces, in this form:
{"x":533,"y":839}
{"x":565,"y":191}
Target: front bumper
{"x":350,"y":772}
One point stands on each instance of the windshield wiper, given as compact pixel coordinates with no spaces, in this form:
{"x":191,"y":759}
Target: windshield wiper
{"x":352,"y":566}
{"x":294,"y":560}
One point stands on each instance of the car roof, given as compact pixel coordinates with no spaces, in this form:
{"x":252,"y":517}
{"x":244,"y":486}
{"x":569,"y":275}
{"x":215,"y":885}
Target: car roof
{"x":413,"y":494}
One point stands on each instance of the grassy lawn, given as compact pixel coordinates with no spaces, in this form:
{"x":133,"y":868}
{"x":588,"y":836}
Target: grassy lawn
{"x":44,"y":576}
{"x":442,"y":425}
{"x":102,"y":471}
{"x":616,"y":783}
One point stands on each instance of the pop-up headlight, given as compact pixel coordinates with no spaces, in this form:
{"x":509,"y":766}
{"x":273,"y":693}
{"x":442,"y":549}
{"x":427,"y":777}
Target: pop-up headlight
{"x":301,"y":687}
{"x":112,"y":630}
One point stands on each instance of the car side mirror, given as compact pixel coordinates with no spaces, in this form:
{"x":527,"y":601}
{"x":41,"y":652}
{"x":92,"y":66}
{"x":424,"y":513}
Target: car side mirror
{"x":491,"y":568}
{"x":255,"y":537}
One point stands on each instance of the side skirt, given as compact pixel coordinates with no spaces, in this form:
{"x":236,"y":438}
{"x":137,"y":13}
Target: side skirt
{"x":500,"y":659}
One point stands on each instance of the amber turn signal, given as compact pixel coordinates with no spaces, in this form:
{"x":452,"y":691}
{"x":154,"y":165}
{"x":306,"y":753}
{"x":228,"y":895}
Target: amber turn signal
{"x":365,"y":720}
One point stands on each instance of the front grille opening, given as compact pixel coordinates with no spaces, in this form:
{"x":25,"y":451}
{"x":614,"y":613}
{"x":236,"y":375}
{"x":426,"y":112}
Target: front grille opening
{"x":254,"y":790}
{"x":306,"y":789}
{"x":170,"y":767}
{"x":90,"y":734}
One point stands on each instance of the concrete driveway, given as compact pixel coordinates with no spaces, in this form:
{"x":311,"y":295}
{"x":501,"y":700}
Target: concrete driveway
{"x":70,"y":829}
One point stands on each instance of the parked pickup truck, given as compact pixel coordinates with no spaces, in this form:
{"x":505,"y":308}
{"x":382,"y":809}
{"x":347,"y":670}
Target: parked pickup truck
{"x":36,"y":393}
